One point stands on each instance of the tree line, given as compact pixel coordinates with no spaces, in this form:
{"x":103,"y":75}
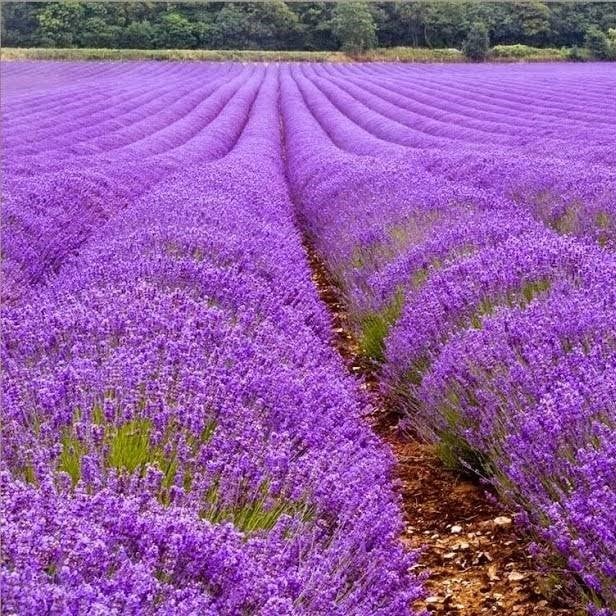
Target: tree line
{"x":322,"y":26}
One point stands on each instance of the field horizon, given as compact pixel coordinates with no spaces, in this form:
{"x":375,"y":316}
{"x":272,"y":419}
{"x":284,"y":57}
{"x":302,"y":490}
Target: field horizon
{"x":501,"y":53}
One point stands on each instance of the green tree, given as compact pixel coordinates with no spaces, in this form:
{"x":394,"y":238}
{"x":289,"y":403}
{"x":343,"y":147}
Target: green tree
{"x":477,"y":43}
{"x":447,"y":23}
{"x":273,"y":25}
{"x":177,"y":31}
{"x":315,"y":25}
{"x":139,"y":35}
{"x":96,"y":32}
{"x":353,"y":25}
{"x":20,"y":26}
{"x":533,"y":20}
{"x":411,"y":17}
{"x":611,"y":39}
{"x":569,"y":22}
{"x":301,"y":25}
{"x":231,"y":27}
{"x":60,"y":23}
{"x":257,"y":25}
{"x":597,"y":44}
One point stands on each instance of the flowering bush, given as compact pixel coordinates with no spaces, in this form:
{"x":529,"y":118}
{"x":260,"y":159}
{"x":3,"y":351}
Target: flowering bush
{"x":179,"y":436}
{"x":468,"y":215}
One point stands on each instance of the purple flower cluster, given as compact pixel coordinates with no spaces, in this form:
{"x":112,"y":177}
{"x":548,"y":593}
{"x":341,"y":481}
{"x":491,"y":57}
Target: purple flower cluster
{"x":179,"y":436}
{"x":68,"y":172}
{"x":468,"y":214}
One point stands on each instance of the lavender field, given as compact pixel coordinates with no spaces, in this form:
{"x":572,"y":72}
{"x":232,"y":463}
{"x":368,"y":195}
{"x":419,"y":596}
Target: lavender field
{"x":180,"y":434}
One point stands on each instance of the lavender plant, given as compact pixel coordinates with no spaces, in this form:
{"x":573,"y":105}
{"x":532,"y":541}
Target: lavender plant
{"x":467,"y":214}
{"x":179,"y":436}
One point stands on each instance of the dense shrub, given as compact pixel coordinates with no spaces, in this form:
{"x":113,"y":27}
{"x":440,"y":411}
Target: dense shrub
{"x":479,"y":272}
{"x":477,"y":43}
{"x":178,"y":434}
{"x":597,"y":44}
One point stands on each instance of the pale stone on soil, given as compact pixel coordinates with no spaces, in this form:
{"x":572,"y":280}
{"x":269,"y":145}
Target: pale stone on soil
{"x":502,"y":522}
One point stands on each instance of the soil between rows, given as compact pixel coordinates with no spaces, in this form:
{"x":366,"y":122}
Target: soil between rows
{"x":478,"y":562}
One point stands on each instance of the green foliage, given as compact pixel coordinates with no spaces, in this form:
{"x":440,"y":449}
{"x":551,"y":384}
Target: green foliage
{"x":267,"y":25}
{"x":19,"y":24}
{"x":253,"y":512}
{"x":531,"y":21}
{"x":568,"y":220}
{"x":477,"y":43}
{"x":353,"y":25}
{"x":531,"y":290}
{"x":275,"y":25}
{"x":606,"y":228}
{"x":576,"y":54}
{"x":518,"y":51}
{"x":178,"y":31}
{"x":139,"y":35}
{"x":59,"y":23}
{"x":603,"y":220}
{"x":452,"y":448}
{"x":220,"y":55}
{"x":524,"y":52}
{"x":597,"y":44}
{"x":73,"y":450}
{"x":420,"y":277}
{"x":128,"y":447}
{"x":412,"y":54}
{"x":397,"y":54}
{"x":376,"y":326}
{"x":278,"y":25}
{"x":520,"y":297}
{"x":314,"y":25}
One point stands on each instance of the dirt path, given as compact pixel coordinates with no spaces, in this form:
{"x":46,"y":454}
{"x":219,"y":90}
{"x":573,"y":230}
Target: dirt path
{"x":477,"y":562}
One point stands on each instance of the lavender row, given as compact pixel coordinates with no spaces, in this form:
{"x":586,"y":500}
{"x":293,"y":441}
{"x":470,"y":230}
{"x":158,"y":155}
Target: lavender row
{"x":543,"y":174}
{"x":179,"y":435}
{"x":51,"y":213}
{"x":496,"y":334}
{"x":474,"y":101}
{"x":90,"y":137}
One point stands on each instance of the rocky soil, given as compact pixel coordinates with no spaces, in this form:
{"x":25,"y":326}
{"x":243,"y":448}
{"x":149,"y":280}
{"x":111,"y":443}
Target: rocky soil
{"x":477,"y":559}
